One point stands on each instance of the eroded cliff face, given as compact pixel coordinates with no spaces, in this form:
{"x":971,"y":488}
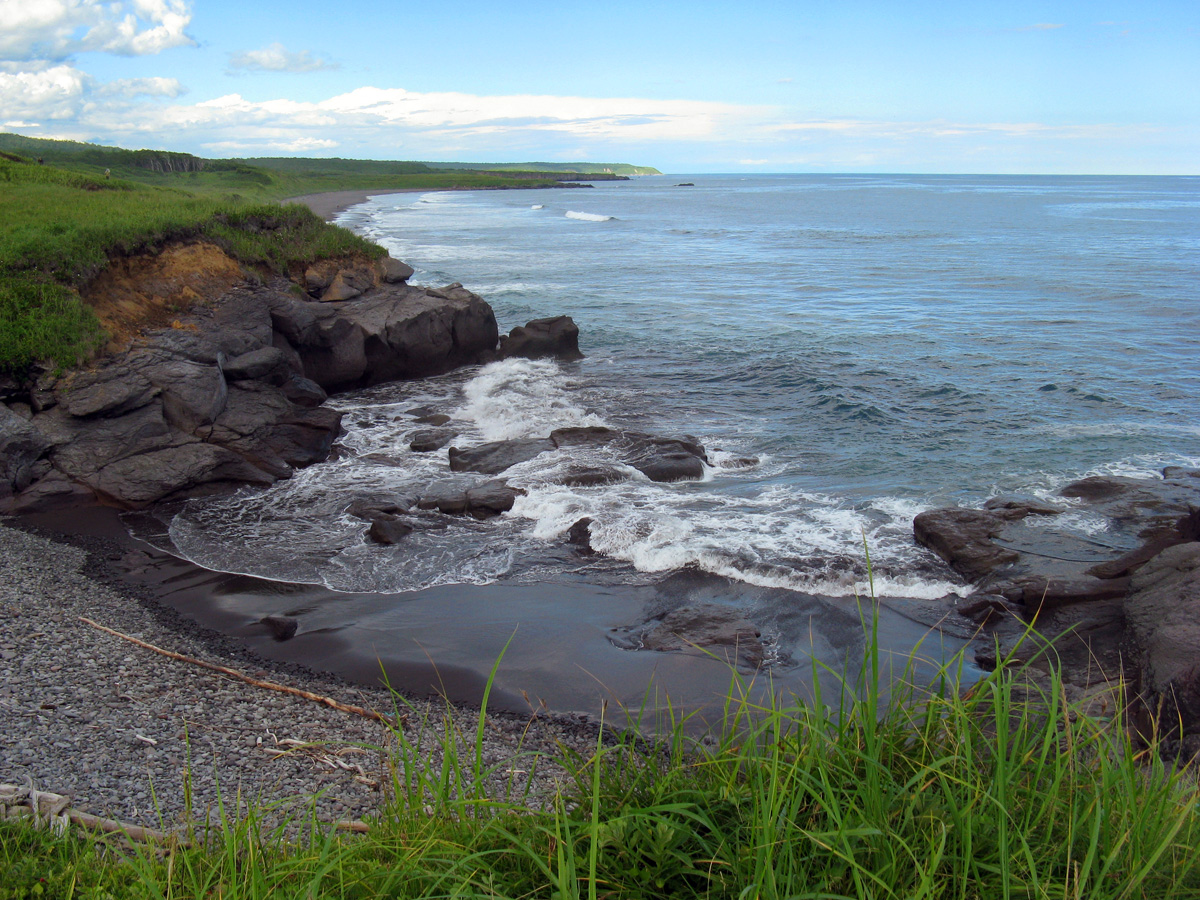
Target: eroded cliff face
{"x":214,"y":377}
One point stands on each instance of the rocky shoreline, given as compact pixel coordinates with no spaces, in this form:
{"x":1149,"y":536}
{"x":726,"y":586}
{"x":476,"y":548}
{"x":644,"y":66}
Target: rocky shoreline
{"x":231,"y":392}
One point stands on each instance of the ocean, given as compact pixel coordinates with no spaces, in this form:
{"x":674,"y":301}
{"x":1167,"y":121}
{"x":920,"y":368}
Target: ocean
{"x":851,"y":349}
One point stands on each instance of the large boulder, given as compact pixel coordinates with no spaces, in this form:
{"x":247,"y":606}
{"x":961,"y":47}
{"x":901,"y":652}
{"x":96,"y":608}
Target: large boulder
{"x":556,"y":337}
{"x":397,"y":331}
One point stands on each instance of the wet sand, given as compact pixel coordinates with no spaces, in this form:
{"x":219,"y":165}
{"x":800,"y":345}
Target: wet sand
{"x":327,"y":205}
{"x":552,"y":639}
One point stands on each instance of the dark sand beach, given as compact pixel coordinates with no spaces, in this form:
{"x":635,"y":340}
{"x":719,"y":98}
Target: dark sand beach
{"x":328,"y":205}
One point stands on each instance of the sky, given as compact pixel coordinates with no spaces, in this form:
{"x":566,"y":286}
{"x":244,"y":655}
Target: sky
{"x":802,"y":86}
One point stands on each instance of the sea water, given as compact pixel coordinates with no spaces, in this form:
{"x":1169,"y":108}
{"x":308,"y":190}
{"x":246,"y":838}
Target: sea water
{"x":850,"y":349}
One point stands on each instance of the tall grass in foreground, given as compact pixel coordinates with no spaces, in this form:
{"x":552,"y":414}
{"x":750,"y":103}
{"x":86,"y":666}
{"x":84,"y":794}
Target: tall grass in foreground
{"x":938,"y":793}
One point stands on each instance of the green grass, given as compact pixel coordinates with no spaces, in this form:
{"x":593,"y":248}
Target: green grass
{"x":60,"y":228}
{"x":933,"y":792}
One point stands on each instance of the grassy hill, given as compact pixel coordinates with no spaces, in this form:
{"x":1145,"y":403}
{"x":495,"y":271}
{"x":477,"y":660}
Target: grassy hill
{"x":67,"y":208}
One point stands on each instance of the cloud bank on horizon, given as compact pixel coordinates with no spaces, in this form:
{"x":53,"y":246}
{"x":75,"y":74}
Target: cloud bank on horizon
{"x":779,"y":87}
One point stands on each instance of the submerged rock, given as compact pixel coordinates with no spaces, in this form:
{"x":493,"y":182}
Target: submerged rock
{"x":706,"y":626}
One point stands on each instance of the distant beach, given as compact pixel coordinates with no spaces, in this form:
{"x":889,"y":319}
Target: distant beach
{"x":329,"y":204}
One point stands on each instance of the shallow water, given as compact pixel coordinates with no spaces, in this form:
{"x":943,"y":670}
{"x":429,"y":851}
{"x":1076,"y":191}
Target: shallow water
{"x":879,"y":344}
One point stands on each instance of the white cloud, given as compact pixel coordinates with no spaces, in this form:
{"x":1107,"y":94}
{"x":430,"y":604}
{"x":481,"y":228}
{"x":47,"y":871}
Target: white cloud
{"x":277,"y":58}
{"x":57,"y":29}
{"x":53,"y":92}
{"x":300,"y":145}
{"x":143,"y":87}
{"x":1040,"y":26}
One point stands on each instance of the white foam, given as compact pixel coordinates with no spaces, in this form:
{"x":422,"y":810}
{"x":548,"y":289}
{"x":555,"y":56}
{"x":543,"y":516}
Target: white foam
{"x":522,"y":398}
{"x":588,"y":217}
{"x":537,"y":206}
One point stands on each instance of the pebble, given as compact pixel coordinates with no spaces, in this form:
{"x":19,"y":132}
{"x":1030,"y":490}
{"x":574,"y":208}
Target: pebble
{"x":88,"y":715}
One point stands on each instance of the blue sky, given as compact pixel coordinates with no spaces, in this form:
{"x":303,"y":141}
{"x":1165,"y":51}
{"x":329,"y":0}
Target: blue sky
{"x":1018,"y":87}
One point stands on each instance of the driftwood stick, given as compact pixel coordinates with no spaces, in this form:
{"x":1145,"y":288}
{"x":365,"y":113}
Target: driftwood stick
{"x":112,"y":826}
{"x":233,"y":673}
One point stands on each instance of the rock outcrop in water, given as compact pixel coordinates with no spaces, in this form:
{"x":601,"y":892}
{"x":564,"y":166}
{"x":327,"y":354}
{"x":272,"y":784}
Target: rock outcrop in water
{"x":1125,"y":605}
{"x":232,"y":392}
{"x":658,"y":458}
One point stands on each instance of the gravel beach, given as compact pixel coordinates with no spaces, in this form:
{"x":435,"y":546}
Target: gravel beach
{"x":132,"y":735}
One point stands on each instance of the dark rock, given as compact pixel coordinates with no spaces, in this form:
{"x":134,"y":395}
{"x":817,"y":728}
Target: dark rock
{"x":445,"y":497}
{"x":54,"y":491}
{"x":579,"y":536}
{"x":982,"y":608}
{"x":21,"y":445}
{"x":193,"y":394}
{"x":497,"y":456}
{"x":388,"y":530}
{"x":1099,"y":487}
{"x":111,"y":391}
{"x":666,"y":459}
{"x":396,"y":331}
{"x":282,"y":628}
{"x":705,"y":625}
{"x":590,"y":476}
{"x":395,"y":271}
{"x":1030,"y":507}
{"x":436,"y":419}
{"x":964,"y":538}
{"x":377,"y":507}
{"x":303,"y":391}
{"x":490,"y":499}
{"x":382,"y":459}
{"x":1039,"y":592}
{"x":482,"y":501}
{"x":428,"y":441}
{"x":556,"y":337}
{"x":658,"y":458}
{"x":137,"y":481}
{"x":82,"y":446}
{"x":1163,"y":616}
{"x":269,"y":363}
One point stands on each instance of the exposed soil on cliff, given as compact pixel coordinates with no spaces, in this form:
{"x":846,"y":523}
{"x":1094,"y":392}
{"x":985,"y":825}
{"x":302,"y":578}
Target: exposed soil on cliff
{"x":153,"y":290}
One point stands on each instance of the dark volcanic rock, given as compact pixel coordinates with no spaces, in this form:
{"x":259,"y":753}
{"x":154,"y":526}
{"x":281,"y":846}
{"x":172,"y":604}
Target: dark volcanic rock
{"x":395,"y":271}
{"x":269,"y":363}
{"x":490,"y":499}
{"x":964,"y":538}
{"x":493,"y":458}
{"x":21,"y":445}
{"x":233,"y":392}
{"x":658,"y":458}
{"x":579,"y":536}
{"x":388,"y":530}
{"x":112,"y":391}
{"x":482,"y":501}
{"x":1163,"y":615}
{"x":396,"y":331}
{"x":428,"y":441}
{"x":556,"y":337}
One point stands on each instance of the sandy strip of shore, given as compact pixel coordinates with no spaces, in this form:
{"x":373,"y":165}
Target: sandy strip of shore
{"x":126,"y":732}
{"x":329,"y":204}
